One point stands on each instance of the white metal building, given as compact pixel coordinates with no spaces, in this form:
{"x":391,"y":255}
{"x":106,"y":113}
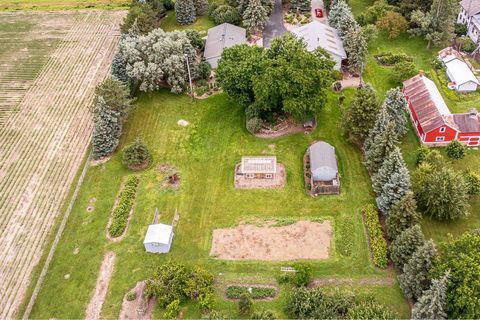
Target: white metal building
{"x":460,"y":74}
{"x":259,"y":167}
{"x":158,"y":238}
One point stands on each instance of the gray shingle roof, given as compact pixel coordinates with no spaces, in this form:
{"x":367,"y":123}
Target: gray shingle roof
{"x":471,"y":6}
{"x":223,"y":36}
{"x":323,"y":162}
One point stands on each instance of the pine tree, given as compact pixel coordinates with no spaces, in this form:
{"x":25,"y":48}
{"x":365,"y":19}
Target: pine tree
{"x":382,"y":145}
{"x":402,"y":248}
{"x":403,"y":215}
{"x":300,"y":5}
{"x":396,"y":105}
{"x":432,"y":303}
{"x":391,"y":164}
{"x":356,"y":47}
{"x":106,"y":131}
{"x":415,"y":278}
{"x":341,"y":17}
{"x":201,"y":7}
{"x":119,"y":68}
{"x":255,"y":16}
{"x":185,"y":11}
{"x":383,"y":118}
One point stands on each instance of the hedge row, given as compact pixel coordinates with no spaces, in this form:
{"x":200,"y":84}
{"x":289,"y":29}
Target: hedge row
{"x":121,"y":212}
{"x":389,"y":59}
{"x":234,"y":292}
{"x":378,"y":245}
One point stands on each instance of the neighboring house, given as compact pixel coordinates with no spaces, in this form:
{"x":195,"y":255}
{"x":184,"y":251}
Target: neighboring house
{"x":158,"y":238}
{"x":258,"y":167}
{"x":470,"y":15}
{"x":319,"y":35}
{"x":220,"y":37}
{"x":461,"y":76}
{"x":433,"y":122}
{"x":324,"y":177}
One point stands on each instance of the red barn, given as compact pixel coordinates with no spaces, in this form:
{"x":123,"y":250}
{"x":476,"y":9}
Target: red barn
{"x":434,"y":124}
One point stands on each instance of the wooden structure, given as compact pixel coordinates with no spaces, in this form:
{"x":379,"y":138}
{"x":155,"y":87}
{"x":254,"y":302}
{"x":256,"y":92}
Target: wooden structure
{"x":321,"y":170}
{"x":258,"y":167}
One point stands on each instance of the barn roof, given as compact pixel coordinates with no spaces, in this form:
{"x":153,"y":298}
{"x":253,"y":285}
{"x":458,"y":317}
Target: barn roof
{"x":323,"y":162}
{"x":259,"y":165}
{"x":427,"y":102}
{"x":460,"y":72}
{"x":317,"y":34}
{"x":158,"y":233}
{"x":467,"y":122}
{"x":223,"y":36}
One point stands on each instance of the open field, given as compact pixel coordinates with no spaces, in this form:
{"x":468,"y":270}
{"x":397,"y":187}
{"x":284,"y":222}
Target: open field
{"x":13,"y":5}
{"x":51,"y":63}
{"x":205,"y":153}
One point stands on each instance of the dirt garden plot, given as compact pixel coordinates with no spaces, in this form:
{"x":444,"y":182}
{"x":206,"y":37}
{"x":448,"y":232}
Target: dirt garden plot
{"x":300,"y":240}
{"x":278,"y":181}
{"x":140,"y":308}
{"x":50,"y":65}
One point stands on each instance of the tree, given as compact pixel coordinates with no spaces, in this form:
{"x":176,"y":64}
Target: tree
{"x":226,"y":14}
{"x":300,"y":6}
{"x":383,"y":144}
{"x":356,"y":47}
{"x":403,"y":215}
{"x":456,"y":150}
{"x":461,"y":256}
{"x":341,"y":18}
{"x":245,"y":304}
{"x":407,"y":6}
{"x":415,"y":278}
{"x":396,"y":104}
{"x":136,"y":155}
{"x":393,"y":23}
{"x":402,"y":248}
{"x":381,"y":122}
{"x":472,"y":180}
{"x":119,"y":70}
{"x":440,"y":193}
{"x":185,"y":12}
{"x":361,"y":115}
{"x":143,"y":16}
{"x":403,"y":70}
{"x":115,"y":95}
{"x":107,"y":129}
{"x":255,"y":16}
{"x":201,"y":7}
{"x":375,"y":12}
{"x":431,"y":304}
{"x":438,"y":24}
{"x":391,"y":164}
{"x":302,"y":275}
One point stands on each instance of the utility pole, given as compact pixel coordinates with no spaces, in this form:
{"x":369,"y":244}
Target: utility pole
{"x":189,"y":75}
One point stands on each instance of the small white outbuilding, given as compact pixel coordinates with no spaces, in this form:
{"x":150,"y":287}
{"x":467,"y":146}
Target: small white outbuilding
{"x":158,"y":238}
{"x":459,"y":73}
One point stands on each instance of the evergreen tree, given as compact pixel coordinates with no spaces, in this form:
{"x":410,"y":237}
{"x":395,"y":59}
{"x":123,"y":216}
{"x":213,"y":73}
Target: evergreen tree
{"x":341,"y":17}
{"x":185,"y":11}
{"x":402,"y":248}
{"x":415,"y":278}
{"x":115,"y":95}
{"x":255,"y":16}
{"x":106,"y":131}
{"x":391,"y":165}
{"x":403,"y":215}
{"x":356,"y":47}
{"x":383,"y":144}
{"x":456,"y":150}
{"x":361,"y":115}
{"x":119,"y":68}
{"x":201,"y":7}
{"x":396,"y":105}
{"x":383,"y":118}
{"x":431,"y":304}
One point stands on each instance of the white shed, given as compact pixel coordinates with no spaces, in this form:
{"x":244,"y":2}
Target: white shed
{"x":158,"y":238}
{"x":460,"y":74}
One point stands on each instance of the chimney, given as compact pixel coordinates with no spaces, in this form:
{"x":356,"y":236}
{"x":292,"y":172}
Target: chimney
{"x":472,"y":113}
{"x":421,"y":73}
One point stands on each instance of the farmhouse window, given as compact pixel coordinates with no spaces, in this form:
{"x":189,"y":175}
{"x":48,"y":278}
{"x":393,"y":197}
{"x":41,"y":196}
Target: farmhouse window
{"x":440,"y":139}
{"x":442,"y":129}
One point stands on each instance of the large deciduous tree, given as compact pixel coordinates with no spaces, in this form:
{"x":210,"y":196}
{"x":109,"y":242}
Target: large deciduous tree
{"x":405,"y":245}
{"x":431,"y":304}
{"x":393,"y":24}
{"x":255,"y":16}
{"x":403,"y":215}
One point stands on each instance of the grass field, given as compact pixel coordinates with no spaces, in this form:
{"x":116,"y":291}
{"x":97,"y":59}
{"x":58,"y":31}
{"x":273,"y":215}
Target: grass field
{"x":205,"y":153}
{"x":14,"y":5}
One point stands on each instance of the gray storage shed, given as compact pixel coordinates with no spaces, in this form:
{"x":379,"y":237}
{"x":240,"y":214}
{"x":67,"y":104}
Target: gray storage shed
{"x":323,"y":162}
{"x":220,"y":37}
{"x":158,"y":238}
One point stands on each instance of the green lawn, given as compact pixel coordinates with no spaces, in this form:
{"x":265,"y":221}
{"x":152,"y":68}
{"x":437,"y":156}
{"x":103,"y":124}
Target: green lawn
{"x":205,"y":153}
{"x":169,"y":23}
{"x":12,"y":5}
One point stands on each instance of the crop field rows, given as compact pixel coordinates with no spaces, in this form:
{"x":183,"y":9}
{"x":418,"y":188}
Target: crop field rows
{"x":46,"y":130}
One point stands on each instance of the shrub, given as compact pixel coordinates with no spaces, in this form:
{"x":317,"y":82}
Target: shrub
{"x":201,"y":87}
{"x":393,"y":23}
{"x":303,"y":274}
{"x":263,"y":315}
{"x":206,"y":301}
{"x":122,"y":210}
{"x":245,"y":305}
{"x":168,"y":4}
{"x":460,"y":29}
{"x":369,"y":309}
{"x":389,"y":59}
{"x":456,"y":150}
{"x":254,"y":125}
{"x":204,"y":70}
{"x":403,"y":70}
{"x":378,"y":245}
{"x":136,"y":155}
{"x":235,"y":292}
{"x":132,"y":295}
{"x":466,"y":44}
{"x":472,"y":180}
{"x":195,"y":39}
{"x":345,"y":238}
{"x":172,"y":310}
{"x":437,"y":64}
{"x":225,"y":14}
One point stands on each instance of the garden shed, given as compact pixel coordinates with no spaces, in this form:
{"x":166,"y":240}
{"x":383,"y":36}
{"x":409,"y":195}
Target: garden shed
{"x":158,"y":238}
{"x":220,"y":37}
{"x":321,"y":165}
{"x":460,"y":74}
{"x":259,"y":167}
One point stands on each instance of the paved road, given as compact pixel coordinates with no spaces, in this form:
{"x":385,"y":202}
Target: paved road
{"x":274,"y":27}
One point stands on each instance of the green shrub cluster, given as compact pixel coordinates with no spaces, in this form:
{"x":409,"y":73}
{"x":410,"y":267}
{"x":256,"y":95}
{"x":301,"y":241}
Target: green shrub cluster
{"x":389,"y":58}
{"x":121,"y":212}
{"x":345,"y":239}
{"x":235,"y":292}
{"x":378,"y":245}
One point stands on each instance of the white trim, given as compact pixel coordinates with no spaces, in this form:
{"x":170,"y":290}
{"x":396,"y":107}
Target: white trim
{"x":443,"y":129}
{"x":440,"y":139}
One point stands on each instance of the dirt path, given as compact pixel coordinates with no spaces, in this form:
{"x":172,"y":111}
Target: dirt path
{"x":318,"y":282}
{"x":101,"y":288}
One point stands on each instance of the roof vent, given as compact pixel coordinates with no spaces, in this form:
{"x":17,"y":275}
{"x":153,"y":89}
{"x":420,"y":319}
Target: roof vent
{"x":472,"y":113}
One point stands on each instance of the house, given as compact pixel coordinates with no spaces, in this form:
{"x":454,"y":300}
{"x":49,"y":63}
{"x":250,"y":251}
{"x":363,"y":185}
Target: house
{"x":220,"y":37}
{"x":433,"y":122}
{"x":258,"y":167}
{"x":322,"y":164}
{"x":470,"y":15}
{"x":319,"y":35}
{"x":461,"y":76}
{"x":158,"y":238}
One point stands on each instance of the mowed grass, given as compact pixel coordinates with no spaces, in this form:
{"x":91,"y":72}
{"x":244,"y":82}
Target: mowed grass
{"x":13,"y":5}
{"x":205,"y":154}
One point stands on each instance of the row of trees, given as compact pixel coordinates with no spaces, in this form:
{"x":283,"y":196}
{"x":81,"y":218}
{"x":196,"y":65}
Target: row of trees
{"x":144,"y":16}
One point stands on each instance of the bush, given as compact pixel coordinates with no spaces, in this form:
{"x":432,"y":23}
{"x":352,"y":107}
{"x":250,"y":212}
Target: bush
{"x":195,"y":39}
{"x":263,"y":315}
{"x":168,"y":4}
{"x":254,"y":125}
{"x":225,"y":14}
{"x":460,"y":29}
{"x":132,"y":295}
{"x":378,"y":245}
{"x":403,"y":70}
{"x":466,"y":44}
{"x":456,"y":150}
{"x":472,"y":180}
{"x":172,"y":310}
{"x":369,"y":309}
{"x":393,"y":23}
{"x":201,"y":87}
{"x":204,"y":70}
{"x":390,"y":59}
{"x":437,"y":64}
{"x":206,"y":301}
{"x":136,"y":155}
{"x":122,"y":210}
{"x":303,"y":274}
{"x":245,"y":305}
{"x":236,"y":292}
